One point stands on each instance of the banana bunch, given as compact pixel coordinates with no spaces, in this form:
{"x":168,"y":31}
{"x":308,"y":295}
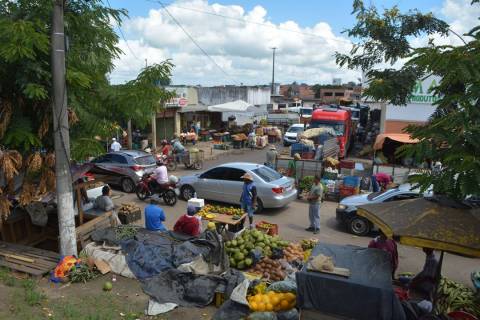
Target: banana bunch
{"x":453,"y":296}
{"x":308,"y":244}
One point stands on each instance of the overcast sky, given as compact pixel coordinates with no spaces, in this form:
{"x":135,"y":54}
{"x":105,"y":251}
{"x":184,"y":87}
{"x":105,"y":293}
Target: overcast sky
{"x":238,"y":35}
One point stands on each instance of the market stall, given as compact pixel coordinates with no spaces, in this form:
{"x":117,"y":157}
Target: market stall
{"x":365,"y":292}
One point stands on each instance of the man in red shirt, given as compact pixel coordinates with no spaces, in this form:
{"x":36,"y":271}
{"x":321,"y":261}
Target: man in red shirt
{"x":383,"y":243}
{"x":188,"y":224}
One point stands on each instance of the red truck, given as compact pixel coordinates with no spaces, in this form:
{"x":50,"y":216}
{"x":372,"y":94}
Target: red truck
{"x":340,"y":121}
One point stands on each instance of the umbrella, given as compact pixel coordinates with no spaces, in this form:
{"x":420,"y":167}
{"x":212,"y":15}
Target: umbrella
{"x":427,"y":223}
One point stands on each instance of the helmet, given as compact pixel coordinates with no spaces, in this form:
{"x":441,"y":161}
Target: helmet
{"x":160,"y":162}
{"x":164,"y":142}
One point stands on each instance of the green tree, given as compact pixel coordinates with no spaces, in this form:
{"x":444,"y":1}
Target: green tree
{"x":95,"y":106}
{"x":451,"y":135}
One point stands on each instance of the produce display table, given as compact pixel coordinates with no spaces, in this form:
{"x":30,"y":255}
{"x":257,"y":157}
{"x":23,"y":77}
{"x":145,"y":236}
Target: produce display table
{"x":366,"y":294}
{"x":227,"y":220}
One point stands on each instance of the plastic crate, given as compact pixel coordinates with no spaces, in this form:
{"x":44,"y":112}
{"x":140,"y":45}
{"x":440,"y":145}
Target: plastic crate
{"x":273,"y":231}
{"x":351,"y":181}
{"x":346,"y":191}
{"x":347,"y":164}
{"x":130,"y":217}
{"x":308,"y":155}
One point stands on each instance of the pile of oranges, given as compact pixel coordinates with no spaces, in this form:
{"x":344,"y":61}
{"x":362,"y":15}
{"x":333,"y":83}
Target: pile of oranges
{"x":272,"y":301}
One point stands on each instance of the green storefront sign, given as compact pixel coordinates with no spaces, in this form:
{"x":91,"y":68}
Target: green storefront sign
{"x":422,"y":92}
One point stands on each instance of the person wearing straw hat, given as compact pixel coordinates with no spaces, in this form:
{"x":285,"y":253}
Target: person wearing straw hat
{"x":271,"y":156}
{"x":248,"y":199}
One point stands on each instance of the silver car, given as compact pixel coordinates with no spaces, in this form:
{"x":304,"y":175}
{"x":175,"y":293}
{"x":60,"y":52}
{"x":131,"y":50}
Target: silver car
{"x":123,"y":168}
{"x":223,"y":183}
{"x":346,"y":212}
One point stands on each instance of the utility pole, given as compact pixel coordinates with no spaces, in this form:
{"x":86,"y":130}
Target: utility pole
{"x":154,"y":123}
{"x":66,"y":216}
{"x":273,"y":71}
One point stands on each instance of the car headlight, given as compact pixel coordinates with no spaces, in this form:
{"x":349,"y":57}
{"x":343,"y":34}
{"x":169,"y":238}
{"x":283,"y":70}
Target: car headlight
{"x":342,"y":207}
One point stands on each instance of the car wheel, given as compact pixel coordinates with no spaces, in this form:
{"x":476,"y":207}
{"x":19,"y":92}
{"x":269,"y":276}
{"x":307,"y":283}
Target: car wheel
{"x":187,"y":192}
{"x":128,"y":185}
{"x":359,"y":226}
{"x":259,"y":207}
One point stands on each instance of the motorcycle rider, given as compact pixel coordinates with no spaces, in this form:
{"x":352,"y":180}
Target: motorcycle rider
{"x":165,"y":148}
{"x":178,"y":148}
{"x":160,"y":174}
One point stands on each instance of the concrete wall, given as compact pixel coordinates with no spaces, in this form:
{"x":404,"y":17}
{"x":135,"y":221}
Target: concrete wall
{"x":218,"y":95}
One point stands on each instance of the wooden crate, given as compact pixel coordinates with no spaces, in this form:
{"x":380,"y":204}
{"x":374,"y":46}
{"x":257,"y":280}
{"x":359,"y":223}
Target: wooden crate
{"x":127,"y":218}
{"x":84,"y":231}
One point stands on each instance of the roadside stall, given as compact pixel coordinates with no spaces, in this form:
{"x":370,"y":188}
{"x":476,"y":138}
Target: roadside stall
{"x":357,"y":285}
{"x":439,"y":224}
{"x":386,"y":160}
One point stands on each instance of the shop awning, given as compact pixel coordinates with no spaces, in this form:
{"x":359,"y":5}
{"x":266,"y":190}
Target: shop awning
{"x":399,"y":137}
{"x":234,"y":106}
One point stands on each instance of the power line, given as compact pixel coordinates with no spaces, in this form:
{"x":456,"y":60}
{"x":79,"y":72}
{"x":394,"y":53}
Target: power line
{"x":255,"y":22}
{"x":123,"y":37}
{"x":192,"y":39}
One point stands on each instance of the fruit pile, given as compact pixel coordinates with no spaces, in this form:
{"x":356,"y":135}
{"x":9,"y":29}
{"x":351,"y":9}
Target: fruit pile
{"x":209,"y":209}
{"x":272,"y":301}
{"x":308,"y":244}
{"x":269,"y":270}
{"x":293,"y":252}
{"x":453,"y":296}
{"x":240,"y":248}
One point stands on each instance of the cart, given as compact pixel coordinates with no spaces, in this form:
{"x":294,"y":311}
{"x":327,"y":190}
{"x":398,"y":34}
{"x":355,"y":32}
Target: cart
{"x":193,"y":159}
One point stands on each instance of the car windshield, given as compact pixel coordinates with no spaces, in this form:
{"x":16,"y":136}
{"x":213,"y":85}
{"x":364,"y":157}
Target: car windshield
{"x":306,"y":111}
{"x":145,"y":160}
{"x":338,"y":127}
{"x":267,"y":174}
{"x":374,"y":195}
{"x":295,"y":129}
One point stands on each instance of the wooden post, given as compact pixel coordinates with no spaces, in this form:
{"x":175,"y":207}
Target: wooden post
{"x":129,"y":133}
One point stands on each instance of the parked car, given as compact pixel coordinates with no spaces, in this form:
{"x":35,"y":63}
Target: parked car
{"x":123,"y":168}
{"x":291,"y":134}
{"x":223,"y":183}
{"x":346,"y":212}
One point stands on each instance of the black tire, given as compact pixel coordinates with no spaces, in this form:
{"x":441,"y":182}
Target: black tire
{"x":359,"y":226}
{"x":142,"y":193}
{"x":259,"y":207}
{"x":187,"y":192}
{"x":172,"y":166}
{"x":198,"y":165}
{"x":170,"y":198}
{"x":128,"y":186}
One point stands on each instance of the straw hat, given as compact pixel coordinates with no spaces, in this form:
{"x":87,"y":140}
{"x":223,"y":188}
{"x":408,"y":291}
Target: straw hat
{"x":272,"y":147}
{"x":297,"y":156}
{"x":246,"y":176}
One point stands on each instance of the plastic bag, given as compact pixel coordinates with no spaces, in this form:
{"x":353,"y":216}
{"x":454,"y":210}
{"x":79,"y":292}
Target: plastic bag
{"x":262,"y":316}
{"x":288,"y":315}
{"x":239,"y":294}
{"x":283,"y":286}
{"x":277,"y":253}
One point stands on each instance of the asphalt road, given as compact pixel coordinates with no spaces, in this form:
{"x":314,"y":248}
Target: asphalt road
{"x":293,"y":219}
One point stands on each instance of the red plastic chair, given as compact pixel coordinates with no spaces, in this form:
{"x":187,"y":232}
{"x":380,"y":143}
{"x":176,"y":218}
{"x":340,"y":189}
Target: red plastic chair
{"x":461,"y":315}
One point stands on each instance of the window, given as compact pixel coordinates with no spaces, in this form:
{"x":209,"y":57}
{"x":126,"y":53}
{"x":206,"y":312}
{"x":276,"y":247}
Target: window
{"x":116,"y":158}
{"x":328,"y":94}
{"x":215,"y":173}
{"x":267,"y":174}
{"x":145,"y":160}
{"x":338,"y":127}
{"x":103,"y":159}
{"x":404,"y":196}
{"x":295,"y":129}
{"x":339,"y":94}
{"x":233,"y":174}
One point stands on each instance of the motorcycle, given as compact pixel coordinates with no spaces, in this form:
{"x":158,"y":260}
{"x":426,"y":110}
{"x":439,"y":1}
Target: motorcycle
{"x":147,"y":187}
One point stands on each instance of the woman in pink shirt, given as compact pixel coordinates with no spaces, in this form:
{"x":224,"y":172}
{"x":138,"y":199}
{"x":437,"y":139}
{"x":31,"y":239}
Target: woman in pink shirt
{"x":383,"y":243}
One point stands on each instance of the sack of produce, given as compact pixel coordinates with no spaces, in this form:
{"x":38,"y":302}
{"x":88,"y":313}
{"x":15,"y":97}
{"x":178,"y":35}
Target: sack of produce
{"x":322,"y":262}
{"x":283,"y":286}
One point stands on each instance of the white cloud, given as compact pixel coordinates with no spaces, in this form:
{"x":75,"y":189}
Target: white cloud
{"x":240,"y":45}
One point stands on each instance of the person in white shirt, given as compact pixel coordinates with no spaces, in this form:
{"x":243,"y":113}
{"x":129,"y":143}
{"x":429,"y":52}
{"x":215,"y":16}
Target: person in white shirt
{"x":160,"y":174}
{"x":115,"y":145}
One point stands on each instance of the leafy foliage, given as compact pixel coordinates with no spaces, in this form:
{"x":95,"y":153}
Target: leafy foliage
{"x":25,"y":28}
{"x":451,"y":135}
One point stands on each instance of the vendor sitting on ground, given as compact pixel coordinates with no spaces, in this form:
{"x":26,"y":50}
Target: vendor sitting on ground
{"x":154,"y":217}
{"x":424,"y":281}
{"x":104,"y":202}
{"x":188,"y":224}
{"x":383,"y":243}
